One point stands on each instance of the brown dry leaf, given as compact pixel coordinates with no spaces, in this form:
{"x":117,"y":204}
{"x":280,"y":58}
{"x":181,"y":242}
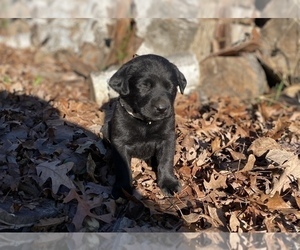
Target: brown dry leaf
{"x":194,"y":217}
{"x":84,"y":208}
{"x":279,"y":127}
{"x":279,"y":156}
{"x":241,"y":132}
{"x":190,"y":218}
{"x":276,"y":202}
{"x":297,"y":199}
{"x":185,"y":172}
{"x":57,"y":173}
{"x":291,"y":170}
{"x":219,"y":220}
{"x":191,"y":154}
{"x":199,"y":193}
{"x":261,"y":145}
{"x":216,"y":145}
{"x":188,"y":142}
{"x":250,"y":164}
{"x":168,"y":206}
{"x":202,"y":158}
{"x":269,"y":223}
{"x":282,"y":227}
{"x":295,"y":127}
{"x":208,"y":128}
{"x":216,"y":181}
{"x":234,"y":222}
{"x":236,"y":155}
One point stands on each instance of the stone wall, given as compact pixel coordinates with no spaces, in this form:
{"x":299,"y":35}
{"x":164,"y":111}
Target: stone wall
{"x":149,"y":8}
{"x":210,"y":52}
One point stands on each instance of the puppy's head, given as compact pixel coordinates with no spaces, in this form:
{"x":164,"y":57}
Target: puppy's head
{"x":148,"y":85}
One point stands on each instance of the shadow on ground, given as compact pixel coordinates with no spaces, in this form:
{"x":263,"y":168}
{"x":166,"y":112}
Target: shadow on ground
{"x":43,"y":157}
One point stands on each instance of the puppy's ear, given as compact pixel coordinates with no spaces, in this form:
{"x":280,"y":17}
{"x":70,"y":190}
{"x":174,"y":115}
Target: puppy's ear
{"x":119,"y":81}
{"x":180,"y":80}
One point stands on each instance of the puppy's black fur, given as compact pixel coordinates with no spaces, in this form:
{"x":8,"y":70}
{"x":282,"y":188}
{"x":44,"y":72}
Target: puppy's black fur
{"x":143,"y":122}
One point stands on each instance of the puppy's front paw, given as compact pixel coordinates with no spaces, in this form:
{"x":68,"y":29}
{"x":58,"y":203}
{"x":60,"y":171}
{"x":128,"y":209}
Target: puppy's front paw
{"x":169,"y":186}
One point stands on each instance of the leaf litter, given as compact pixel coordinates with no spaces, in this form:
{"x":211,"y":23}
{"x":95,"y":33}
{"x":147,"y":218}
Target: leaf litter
{"x":238,"y":162}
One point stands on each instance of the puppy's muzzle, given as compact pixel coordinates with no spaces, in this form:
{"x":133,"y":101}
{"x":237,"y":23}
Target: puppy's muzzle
{"x":161,"y":106}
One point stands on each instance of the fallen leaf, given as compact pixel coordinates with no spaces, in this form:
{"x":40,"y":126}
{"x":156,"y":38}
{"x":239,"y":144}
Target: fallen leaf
{"x":94,"y":188}
{"x":270,"y":223}
{"x":190,"y":218}
{"x":216,"y":144}
{"x":297,"y":199}
{"x":278,"y":130}
{"x":185,"y":172}
{"x":279,"y":156}
{"x":291,"y":170}
{"x":276,"y":202}
{"x":250,"y":164}
{"x":57,"y":173}
{"x":188,"y":142}
{"x":216,"y":181}
{"x":217,"y":216}
{"x":202,"y":158}
{"x":236,"y":155}
{"x":261,"y":145}
{"x":90,"y":167}
{"x":50,"y":222}
{"x":191,"y":154}
{"x":84,"y":208}
{"x":234,"y":222}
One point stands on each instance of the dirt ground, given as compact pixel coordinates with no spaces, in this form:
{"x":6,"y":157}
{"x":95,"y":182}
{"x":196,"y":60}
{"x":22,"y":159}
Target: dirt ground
{"x":238,"y":162}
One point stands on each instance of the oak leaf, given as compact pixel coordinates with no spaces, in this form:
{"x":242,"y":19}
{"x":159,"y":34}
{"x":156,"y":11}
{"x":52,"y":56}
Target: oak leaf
{"x":57,"y":173}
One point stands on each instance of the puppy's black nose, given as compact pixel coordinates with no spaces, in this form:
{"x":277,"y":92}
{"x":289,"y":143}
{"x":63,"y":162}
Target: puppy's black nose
{"x":161,"y":106}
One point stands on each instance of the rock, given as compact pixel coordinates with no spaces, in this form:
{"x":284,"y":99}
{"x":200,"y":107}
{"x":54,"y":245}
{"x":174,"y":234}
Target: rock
{"x":71,"y":34}
{"x":240,"y":76}
{"x":101,"y":43}
{"x":149,"y":9}
{"x":99,"y":89}
{"x":240,"y":31}
{"x":279,"y":8}
{"x":56,"y":8}
{"x":15,"y":33}
{"x":163,"y":9}
{"x":164,"y":36}
{"x":280,"y":47}
{"x":21,"y":40}
{"x":201,"y":45}
{"x":188,"y":64}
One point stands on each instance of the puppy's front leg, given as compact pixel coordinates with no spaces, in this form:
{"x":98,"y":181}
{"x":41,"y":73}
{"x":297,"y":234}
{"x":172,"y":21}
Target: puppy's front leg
{"x":166,"y":179}
{"x":123,"y":175}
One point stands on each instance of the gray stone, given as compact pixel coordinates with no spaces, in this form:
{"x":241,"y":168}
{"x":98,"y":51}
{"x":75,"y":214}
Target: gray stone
{"x":166,"y":36}
{"x":148,"y":9}
{"x":241,"y":77}
{"x":100,"y":91}
{"x":280,"y":46}
{"x":279,"y":8}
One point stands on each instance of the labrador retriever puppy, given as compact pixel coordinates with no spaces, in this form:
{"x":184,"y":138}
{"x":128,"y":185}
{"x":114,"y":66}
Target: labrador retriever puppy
{"x":143,"y":122}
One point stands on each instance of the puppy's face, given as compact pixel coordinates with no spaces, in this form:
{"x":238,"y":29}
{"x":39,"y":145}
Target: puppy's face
{"x":148,"y":85}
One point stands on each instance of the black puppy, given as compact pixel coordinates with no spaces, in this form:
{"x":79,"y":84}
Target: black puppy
{"x":143,"y":122}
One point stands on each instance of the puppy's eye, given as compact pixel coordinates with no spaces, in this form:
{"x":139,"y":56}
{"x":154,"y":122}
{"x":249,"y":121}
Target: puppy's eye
{"x":144,"y":86}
